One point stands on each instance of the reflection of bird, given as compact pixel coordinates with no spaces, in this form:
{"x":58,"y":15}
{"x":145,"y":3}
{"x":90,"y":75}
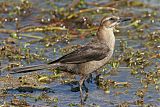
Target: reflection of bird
{"x":88,"y":58}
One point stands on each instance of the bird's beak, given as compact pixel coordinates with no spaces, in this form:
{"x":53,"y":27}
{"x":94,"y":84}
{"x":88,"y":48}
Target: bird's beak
{"x":120,"y":20}
{"x":123,"y":19}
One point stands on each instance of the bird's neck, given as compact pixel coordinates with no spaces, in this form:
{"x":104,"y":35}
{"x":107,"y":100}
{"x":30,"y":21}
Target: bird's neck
{"x":106,"y":35}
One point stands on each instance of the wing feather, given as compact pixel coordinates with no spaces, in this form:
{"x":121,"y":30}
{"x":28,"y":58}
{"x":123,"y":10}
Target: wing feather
{"x":92,"y":52}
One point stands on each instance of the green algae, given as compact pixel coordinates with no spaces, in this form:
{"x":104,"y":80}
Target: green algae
{"x":51,"y":29}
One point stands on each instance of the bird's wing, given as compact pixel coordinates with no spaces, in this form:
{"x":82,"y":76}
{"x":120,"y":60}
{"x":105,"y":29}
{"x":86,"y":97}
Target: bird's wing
{"x":93,"y":52}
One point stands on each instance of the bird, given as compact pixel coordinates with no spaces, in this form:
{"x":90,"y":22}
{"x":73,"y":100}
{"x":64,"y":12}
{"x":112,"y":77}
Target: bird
{"x":88,"y":58}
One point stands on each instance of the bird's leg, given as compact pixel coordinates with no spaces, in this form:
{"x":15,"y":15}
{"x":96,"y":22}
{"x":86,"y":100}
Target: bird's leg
{"x":80,"y":87}
{"x":86,"y":90}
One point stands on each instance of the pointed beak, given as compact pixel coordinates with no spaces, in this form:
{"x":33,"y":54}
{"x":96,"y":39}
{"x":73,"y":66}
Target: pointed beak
{"x":124,"y":19}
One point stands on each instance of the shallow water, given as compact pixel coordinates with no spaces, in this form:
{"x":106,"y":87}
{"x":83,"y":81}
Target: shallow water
{"x":38,"y":47}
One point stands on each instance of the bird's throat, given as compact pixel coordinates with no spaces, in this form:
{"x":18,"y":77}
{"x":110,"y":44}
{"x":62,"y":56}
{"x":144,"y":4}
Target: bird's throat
{"x":106,"y":35}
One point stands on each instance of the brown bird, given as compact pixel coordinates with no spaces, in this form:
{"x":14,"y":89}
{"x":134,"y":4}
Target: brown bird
{"x":89,"y":57}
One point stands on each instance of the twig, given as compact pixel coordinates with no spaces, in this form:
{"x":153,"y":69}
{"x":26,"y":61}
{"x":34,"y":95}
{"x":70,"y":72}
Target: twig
{"x":91,"y":9}
{"x":7,"y":31}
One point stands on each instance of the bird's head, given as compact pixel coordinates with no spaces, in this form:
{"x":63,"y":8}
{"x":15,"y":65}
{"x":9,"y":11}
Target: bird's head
{"x":111,"y":22}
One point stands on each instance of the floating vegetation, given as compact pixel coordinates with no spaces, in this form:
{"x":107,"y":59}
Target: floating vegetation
{"x":34,"y":32}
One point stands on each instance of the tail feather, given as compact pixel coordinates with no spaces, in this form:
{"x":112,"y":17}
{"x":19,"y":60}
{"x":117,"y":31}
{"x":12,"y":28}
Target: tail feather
{"x":29,"y":68}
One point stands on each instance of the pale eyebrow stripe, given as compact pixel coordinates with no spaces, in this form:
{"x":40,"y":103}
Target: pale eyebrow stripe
{"x":106,"y":19}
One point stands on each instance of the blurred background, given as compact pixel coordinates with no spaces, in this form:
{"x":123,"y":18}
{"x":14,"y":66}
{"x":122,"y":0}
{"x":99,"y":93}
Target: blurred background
{"x":38,"y":31}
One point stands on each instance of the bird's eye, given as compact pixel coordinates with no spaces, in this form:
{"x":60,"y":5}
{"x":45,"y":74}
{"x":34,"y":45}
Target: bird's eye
{"x":112,"y":19}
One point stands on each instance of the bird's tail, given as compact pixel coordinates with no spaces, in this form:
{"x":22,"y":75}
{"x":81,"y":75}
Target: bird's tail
{"x":29,"y":68}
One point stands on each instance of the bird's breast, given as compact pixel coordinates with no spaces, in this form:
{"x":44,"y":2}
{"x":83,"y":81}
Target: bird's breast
{"x":89,"y":67}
